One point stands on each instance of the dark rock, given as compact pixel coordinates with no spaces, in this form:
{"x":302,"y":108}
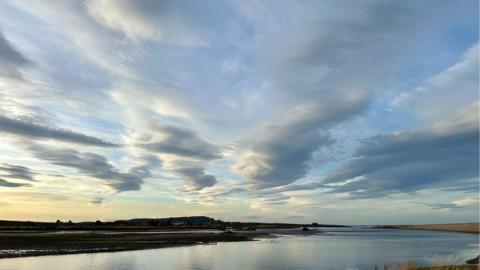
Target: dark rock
{"x":474,"y":260}
{"x":305,"y":229}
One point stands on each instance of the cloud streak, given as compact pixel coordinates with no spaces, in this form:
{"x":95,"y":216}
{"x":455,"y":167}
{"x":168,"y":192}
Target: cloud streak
{"x":36,"y":131}
{"x":193,"y":174}
{"x":16,"y":172}
{"x":174,"y":22}
{"x":281,"y":152}
{"x":5,"y":183}
{"x":93,"y":165}
{"x":183,"y":143}
{"x":443,"y":155}
{"x":11,"y":60}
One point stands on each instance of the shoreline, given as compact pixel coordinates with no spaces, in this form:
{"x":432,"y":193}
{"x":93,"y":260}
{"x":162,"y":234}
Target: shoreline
{"x":453,"y":227}
{"x":15,"y":245}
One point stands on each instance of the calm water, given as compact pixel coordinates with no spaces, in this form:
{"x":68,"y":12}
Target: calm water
{"x":334,"y":249}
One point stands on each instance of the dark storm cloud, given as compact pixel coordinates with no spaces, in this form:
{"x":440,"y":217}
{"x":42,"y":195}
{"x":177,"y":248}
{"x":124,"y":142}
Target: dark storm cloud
{"x":10,"y":59}
{"x":93,"y":165}
{"x":16,"y":172}
{"x":440,"y":156}
{"x":184,"y":143}
{"x":36,"y":131}
{"x":5,"y":183}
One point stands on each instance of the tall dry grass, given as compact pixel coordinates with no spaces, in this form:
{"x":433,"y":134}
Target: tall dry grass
{"x":413,"y":266}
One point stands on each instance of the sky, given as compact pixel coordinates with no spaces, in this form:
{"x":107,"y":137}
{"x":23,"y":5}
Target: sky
{"x":344,"y":112}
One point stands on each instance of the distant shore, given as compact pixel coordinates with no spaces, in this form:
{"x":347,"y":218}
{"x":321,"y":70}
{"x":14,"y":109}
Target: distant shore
{"x":452,"y":227}
{"x":148,"y":224}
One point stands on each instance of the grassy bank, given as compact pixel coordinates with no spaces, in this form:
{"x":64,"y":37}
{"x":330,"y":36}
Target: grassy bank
{"x":448,"y":267}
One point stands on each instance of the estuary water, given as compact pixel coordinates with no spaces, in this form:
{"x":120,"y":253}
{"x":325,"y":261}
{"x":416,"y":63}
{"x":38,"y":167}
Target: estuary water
{"x":334,"y":248}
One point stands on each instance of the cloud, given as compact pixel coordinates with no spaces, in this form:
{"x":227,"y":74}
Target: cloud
{"x":192,"y":173}
{"x":280,"y":152}
{"x":16,"y":172}
{"x":295,"y":217}
{"x":184,"y":152}
{"x":330,"y":69}
{"x":97,"y":200}
{"x":467,"y":201}
{"x":457,"y":204}
{"x":444,"y":206}
{"x":85,"y":52}
{"x":225,"y":190}
{"x":36,"y":131}
{"x":177,"y":22}
{"x":182,"y":142}
{"x":443,"y":155}
{"x":292,"y":187}
{"x":93,"y":165}
{"x":434,"y":97}
{"x":11,"y":60}
{"x":325,"y":74}
{"x":5,"y":183}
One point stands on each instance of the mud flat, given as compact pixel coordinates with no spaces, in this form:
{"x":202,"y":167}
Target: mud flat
{"x":36,"y":244}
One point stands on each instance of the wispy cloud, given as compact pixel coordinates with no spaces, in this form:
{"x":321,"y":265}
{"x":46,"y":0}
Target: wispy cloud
{"x":92,"y":165}
{"x":36,"y":131}
{"x":410,"y":161}
{"x":97,"y":200}
{"x":5,"y":183}
{"x":166,"y":21}
{"x":181,"y":142}
{"x":11,"y":60}
{"x":16,"y":172}
{"x":192,"y":173}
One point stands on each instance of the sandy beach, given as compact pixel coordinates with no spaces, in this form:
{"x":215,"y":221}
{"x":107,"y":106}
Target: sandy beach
{"x":452,"y":227}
